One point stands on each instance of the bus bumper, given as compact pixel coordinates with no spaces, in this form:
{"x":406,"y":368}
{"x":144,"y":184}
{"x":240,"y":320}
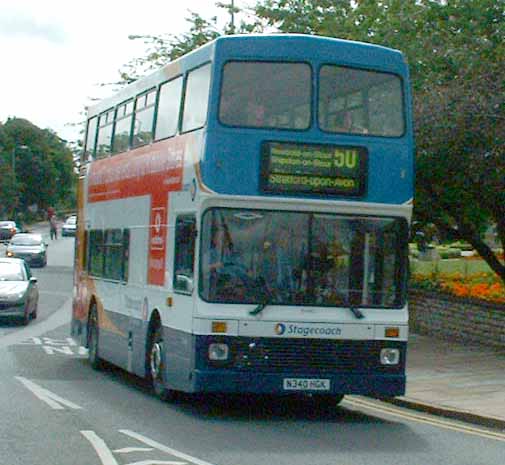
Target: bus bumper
{"x":377,"y":385}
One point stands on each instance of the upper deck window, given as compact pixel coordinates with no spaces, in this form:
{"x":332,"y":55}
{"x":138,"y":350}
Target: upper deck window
{"x":168,"y":109}
{"x":355,"y":101}
{"x":105,"y":122}
{"x":266,"y":95}
{"x":144,"y":115}
{"x":91,"y":138}
{"x":196,"y":99}
{"x":124,"y":115}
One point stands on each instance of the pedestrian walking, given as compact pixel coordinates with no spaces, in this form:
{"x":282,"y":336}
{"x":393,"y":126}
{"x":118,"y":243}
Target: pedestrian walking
{"x":53,"y":227}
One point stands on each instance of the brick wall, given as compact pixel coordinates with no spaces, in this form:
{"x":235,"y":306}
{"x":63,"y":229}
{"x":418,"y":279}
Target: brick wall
{"x":466,"y":320}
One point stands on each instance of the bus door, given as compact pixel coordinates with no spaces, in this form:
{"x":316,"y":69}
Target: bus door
{"x":178,"y":334}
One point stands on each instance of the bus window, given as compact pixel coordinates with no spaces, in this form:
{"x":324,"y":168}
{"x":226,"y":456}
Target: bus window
{"x":113,"y":248}
{"x":89,"y":151}
{"x":169,"y":104}
{"x":356,"y":101}
{"x":250,"y":97}
{"x":96,"y":253}
{"x":143,"y":124}
{"x":122,"y":129}
{"x":196,"y":99}
{"x":104,"y":134}
{"x":184,"y":253}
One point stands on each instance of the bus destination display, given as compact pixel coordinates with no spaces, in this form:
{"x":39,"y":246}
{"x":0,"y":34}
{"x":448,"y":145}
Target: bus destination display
{"x":312,"y":168}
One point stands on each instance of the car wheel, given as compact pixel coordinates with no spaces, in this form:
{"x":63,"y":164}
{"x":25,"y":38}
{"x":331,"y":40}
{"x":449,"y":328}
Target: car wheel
{"x":155,"y":364}
{"x":92,"y":339}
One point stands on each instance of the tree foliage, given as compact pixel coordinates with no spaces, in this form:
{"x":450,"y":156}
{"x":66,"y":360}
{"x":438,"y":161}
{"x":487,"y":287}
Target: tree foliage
{"x":44,"y":174}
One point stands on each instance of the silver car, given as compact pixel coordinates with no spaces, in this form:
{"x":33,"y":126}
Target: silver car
{"x":69,"y":226}
{"x":19,"y":293}
{"x":30,"y":247}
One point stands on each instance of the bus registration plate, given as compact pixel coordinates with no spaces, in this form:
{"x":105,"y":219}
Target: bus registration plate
{"x":306,"y":384}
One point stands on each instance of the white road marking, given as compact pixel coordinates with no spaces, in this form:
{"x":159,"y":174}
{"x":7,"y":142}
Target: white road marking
{"x":65,"y":350}
{"x":50,"y":398}
{"x":163,"y":448}
{"x":107,"y":458}
{"x":100,"y":447}
{"x":157,"y":462}
{"x":127,"y":450}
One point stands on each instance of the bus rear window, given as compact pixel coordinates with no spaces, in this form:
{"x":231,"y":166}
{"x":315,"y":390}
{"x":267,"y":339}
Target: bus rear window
{"x":355,"y":101}
{"x":266,"y":95}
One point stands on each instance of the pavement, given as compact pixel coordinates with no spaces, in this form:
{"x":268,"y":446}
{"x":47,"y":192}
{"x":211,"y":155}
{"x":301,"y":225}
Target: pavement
{"x":456,"y":380}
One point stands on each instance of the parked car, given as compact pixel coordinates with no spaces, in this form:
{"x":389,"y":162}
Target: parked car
{"x":69,"y":226}
{"x":19,"y":293}
{"x":30,"y":247}
{"x":8,"y":229}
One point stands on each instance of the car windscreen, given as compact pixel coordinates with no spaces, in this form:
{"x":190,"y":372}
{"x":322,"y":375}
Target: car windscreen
{"x":26,"y":240}
{"x":11,"y":272}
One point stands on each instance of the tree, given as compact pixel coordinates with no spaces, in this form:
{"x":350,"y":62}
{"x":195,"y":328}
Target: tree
{"x":43,"y":167}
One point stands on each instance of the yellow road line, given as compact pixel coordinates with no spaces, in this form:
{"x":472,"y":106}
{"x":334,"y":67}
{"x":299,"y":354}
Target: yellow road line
{"x":424,"y":419}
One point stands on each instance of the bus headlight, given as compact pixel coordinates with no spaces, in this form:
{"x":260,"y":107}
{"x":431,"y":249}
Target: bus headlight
{"x":218,"y":351}
{"x":390,"y":356}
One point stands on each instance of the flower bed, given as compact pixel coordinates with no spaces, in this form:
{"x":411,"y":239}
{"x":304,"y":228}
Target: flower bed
{"x":481,"y":286}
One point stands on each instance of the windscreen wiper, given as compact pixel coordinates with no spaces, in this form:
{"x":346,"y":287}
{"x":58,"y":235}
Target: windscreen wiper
{"x":259,"y":308}
{"x":267,"y":297}
{"x":353,"y":308}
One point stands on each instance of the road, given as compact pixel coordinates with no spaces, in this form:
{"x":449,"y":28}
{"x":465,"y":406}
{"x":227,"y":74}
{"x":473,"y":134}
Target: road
{"x":56,"y":411}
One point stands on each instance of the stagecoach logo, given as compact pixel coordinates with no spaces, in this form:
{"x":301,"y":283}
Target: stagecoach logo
{"x":280,"y":329}
{"x":307,"y":330}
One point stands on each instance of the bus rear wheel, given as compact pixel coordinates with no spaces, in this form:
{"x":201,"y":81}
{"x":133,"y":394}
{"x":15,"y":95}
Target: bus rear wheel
{"x":93,"y":337}
{"x":155,"y":364}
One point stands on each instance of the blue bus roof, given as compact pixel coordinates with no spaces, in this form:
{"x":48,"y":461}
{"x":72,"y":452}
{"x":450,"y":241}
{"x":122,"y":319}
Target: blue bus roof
{"x":298,"y":47}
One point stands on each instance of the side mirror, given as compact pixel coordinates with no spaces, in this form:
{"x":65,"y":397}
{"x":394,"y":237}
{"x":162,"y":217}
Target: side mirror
{"x":46,"y":244}
{"x":184,"y":283}
{"x":33,"y":279}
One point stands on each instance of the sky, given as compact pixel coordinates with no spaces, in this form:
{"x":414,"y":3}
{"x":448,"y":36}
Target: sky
{"x":56,"y":53}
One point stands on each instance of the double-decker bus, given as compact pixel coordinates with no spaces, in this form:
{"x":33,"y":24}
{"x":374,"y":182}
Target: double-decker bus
{"x":243,"y":219}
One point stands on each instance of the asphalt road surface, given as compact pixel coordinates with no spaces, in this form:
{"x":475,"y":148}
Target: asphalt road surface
{"x":56,"y":410}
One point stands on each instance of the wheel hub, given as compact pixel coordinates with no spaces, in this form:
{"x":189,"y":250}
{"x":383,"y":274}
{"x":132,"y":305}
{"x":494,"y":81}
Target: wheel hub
{"x":156,"y":360}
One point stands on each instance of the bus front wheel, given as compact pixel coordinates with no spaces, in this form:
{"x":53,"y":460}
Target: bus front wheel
{"x":155,"y":364}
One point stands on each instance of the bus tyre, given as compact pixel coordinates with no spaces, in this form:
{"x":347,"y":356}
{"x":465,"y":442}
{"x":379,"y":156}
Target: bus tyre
{"x":93,"y":358}
{"x":155,"y":366}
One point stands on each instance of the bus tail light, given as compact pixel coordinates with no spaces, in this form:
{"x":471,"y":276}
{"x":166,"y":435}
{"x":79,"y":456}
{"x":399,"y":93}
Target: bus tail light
{"x":218,"y":351}
{"x":390,"y":356}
